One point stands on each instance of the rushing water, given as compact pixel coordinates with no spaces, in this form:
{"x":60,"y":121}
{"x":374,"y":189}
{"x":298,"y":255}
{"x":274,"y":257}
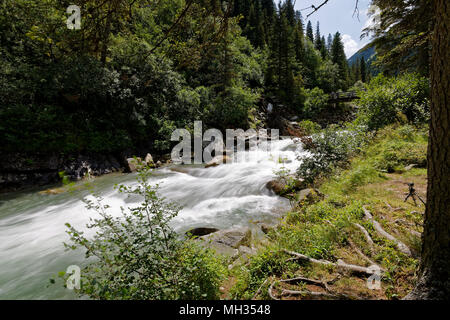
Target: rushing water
{"x":32,"y":229}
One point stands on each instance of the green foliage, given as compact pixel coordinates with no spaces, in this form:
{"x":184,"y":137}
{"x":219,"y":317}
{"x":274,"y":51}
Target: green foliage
{"x":231,"y":108}
{"x":402,"y":36}
{"x":387,"y":100}
{"x":330,"y":148}
{"x":328,"y":78}
{"x":315,"y":102}
{"x":403,"y":146}
{"x":139,"y":256}
{"x":309,"y":127}
{"x":338,"y":57}
{"x":267,"y":262}
{"x":392,"y":149}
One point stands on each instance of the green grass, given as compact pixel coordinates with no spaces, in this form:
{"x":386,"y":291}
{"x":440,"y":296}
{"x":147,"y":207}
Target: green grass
{"x":321,"y":230}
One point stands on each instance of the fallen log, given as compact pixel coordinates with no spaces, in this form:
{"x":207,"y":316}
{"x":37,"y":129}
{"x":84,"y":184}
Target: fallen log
{"x":400,"y":245}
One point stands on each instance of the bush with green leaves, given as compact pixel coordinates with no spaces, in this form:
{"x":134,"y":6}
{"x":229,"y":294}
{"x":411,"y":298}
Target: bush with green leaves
{"x":139,"y":256}
{"x":309,"y":127}
{"x":330,"y":148}
{"x":316,"y":101}
{"x":328,"y":77}
{"x":389,"y":100}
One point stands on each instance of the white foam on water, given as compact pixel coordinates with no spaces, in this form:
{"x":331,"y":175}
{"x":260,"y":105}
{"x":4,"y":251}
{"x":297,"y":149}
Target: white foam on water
{"x":32,"y":225}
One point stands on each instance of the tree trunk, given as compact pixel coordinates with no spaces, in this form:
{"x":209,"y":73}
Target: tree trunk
{"x":434,"y":275}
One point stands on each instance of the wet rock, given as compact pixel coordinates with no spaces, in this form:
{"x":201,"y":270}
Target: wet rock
{"x":276,"y":186}
{"x":179,"y":170}
{"x":134,"y":164}
{"x":200,"y":232}
{"x":53,"y":191}
{"x":218,"y":161}
{"x":309,"y":196}
{"x":284,"y":186}
{"x":233,"y":238}
{"x":149,"y":161}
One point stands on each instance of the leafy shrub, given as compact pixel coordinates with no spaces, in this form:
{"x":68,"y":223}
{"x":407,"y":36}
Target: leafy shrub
{"x":329,"y":149}
{"x":328,"y":76}
{"x":231,"y":108}
{"x":390,"y":99}
{"x":309,"y":127}
{"x":139,"y":256}
{"x":316,"y":101}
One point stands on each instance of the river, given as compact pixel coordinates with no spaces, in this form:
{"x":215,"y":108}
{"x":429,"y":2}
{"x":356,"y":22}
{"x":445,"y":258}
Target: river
{"x":32,"y":224}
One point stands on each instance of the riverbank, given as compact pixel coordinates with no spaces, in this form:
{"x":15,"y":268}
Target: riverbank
{"x":324,"y":249}
{"x":19,"y":172}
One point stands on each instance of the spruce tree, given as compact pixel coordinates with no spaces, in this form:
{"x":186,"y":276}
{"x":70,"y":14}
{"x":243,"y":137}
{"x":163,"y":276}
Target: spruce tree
{"x":329,"y":42}
{"x":338,"y":57}
{"x":323,"y":48}
{"x":363,"y":70}
{"x":317,"y":38}
{"x":309,"y":32}
{"x":299,"y":40}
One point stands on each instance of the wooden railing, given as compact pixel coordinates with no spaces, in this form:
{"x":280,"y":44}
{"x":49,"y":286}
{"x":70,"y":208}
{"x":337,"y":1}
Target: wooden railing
{"x":343,"y":96}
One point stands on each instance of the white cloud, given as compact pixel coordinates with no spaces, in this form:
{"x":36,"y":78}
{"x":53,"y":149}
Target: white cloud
{"x":350,"y":45}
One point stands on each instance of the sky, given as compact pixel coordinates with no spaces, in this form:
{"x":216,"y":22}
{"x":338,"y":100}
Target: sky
{"x":337,"y":15}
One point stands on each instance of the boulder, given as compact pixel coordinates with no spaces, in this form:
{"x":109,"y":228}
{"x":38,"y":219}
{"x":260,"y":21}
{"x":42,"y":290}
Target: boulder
{"x":242,"y":256}
{"x":284,"y":186}
{"x":134,"y":164}
{"x":276,"y":186}
{"x":149,"y":161}
{"x":233,"y":238}
{"x":309,"y":196}
{"x":243,"y":250}
{"x":218,"y":161}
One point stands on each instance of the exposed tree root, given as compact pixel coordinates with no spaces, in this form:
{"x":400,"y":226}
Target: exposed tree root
{"x":362,"y":255}
{"x":400,"y":245}
{"x":340,"y":265}
{"x":259,"y":289}
{"x":367,"y":235}
{"x":393,"y":209}
{"x":409,"y":224}
{"x":312,"y":294}
{"x":271,"y":293}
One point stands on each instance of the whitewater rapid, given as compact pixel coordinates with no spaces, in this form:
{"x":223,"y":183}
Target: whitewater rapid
{"x":32,"y":225}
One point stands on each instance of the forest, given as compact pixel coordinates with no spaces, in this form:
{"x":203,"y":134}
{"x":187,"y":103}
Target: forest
{"x":79,"y":104}
{"x":135,"y":72}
